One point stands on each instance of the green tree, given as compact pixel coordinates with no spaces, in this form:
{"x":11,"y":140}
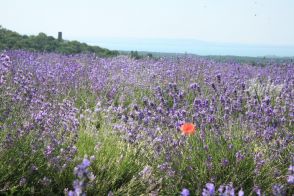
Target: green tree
{"x":44,"y":43}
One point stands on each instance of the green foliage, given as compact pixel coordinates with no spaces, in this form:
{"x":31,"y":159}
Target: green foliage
{"x":150,"y":55}
{"x":44,"y":43}
{"x":21,"y":160}
{"x":135,"y":55}
{"x":116,"y":165}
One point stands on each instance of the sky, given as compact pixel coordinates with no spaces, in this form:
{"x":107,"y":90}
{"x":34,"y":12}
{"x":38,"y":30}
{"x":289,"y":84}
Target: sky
{"x":250,"y":22}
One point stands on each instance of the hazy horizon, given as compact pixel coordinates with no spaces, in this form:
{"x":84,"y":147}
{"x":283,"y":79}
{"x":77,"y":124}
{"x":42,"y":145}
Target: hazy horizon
{"x":191,"y":46}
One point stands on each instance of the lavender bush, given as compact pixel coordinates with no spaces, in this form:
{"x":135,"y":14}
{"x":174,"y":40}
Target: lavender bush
{"x":55,"y":109}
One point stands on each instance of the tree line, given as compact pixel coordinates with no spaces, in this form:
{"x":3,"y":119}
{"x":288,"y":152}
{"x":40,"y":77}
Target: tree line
{"x":43,"y":43}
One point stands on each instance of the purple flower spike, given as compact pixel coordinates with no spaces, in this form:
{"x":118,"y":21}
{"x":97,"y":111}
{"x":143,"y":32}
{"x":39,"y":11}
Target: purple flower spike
{"x":290,"y":179}
{"x":86,"y":163}
{"x":185,"y":192}
{"x":209,"y":190}
{"x":241,"y":193}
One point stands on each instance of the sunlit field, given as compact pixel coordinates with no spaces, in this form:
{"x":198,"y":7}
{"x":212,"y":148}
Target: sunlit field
{"x":80,"y":124}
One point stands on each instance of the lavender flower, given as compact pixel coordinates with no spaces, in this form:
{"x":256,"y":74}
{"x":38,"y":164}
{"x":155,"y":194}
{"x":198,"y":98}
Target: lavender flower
{"x":241,"y":193}
{"x":84,"y":176}
{"x":225,"y":162}
{"x":278,"y":190}
{"x":185,"y":192}
{"x":290,"y":179}
{"x":226,"y":190}
{"x":239,"y":156}
{"x":23,"y":181}
{"x":209,"y":190}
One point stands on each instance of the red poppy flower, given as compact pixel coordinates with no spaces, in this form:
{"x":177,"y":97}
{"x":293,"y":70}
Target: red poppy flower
{"x":188,"y":129}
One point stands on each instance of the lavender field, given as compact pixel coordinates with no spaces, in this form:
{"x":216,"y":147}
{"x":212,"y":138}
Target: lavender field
{"x":81,"y":124}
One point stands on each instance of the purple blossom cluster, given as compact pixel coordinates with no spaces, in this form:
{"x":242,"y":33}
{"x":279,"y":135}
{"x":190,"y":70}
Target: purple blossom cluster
{"x":30,"y":113}
{"x":223,"y":96}
{"x":229,"y":190}
{"x":5,"y":65}
{"x":217,"y":98}
{"x":290,"y":178}
{"x":210,"y":190}
{"x":146,"y":101}
{"x":56,"y":126}
{"x":83,"y":176}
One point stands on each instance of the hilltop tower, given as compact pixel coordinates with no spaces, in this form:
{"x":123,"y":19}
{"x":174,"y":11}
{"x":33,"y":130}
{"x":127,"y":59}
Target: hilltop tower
{"x":59,"y":36}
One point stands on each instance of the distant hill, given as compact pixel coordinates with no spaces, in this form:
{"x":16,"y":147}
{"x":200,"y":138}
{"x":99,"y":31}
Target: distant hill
{"x":43,"y":43}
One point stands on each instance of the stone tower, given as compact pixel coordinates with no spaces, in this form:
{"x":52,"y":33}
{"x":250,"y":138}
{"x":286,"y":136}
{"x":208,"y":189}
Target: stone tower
{"x":59,"y":36}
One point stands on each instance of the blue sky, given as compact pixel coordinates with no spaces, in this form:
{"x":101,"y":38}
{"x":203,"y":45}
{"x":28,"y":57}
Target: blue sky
{"x":256,"y":22}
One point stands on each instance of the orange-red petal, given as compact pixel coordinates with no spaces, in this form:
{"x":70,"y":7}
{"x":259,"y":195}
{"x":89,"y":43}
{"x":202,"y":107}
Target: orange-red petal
{"x":188,"y":129}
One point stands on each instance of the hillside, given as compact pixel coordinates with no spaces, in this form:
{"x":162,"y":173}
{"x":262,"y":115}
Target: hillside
{"x":43,"y":43}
